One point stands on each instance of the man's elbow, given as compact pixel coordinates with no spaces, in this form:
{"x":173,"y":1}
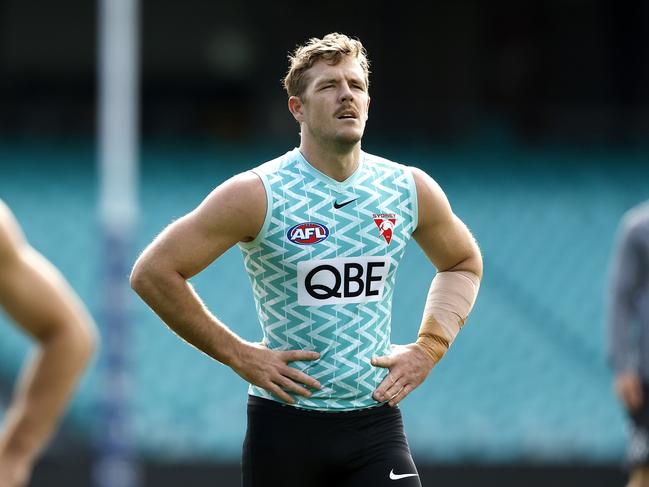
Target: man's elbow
{"x":140,"y":277}
{"x":82,"y":336}
{"x":478,"y":265}
{"x":75,"y":338}
{"x":472,"y":263}
{"x":150,"y":277}
{"x":86,"y":341}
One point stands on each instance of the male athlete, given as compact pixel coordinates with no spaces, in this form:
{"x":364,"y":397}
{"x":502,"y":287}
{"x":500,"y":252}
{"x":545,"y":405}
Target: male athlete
{"x":322,"y":229}
{"x":629,"y":334}
{"x":35,"y":295}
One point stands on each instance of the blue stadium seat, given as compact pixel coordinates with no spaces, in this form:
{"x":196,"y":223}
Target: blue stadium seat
{"x":526,"y":379}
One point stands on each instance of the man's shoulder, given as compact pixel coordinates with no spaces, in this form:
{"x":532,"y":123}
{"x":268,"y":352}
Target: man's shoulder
{"x":5,"y":213}
{"x":276,"y":164}
{"x":635,"y":223}
{"x":406,"y":173}
{"x":242,"y":189}
{"x":383,"y":161}
{"x":9,"y":232}
{"x":249,"y":188}
{"x":638,"y":216}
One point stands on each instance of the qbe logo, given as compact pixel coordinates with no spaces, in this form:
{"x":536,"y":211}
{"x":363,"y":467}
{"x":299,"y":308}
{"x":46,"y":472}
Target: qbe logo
{"x":307,"y":233}
{"x":341,"y":280}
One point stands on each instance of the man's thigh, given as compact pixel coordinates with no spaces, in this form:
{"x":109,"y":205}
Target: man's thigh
{"x":382,"y":457}
{"x":396,"y":471}
{"x":278,"y":450}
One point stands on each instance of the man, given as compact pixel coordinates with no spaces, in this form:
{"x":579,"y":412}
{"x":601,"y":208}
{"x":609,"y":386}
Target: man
{"x":37,"y":297}
{"x":322,"y":229}
{"x":629,"y":334}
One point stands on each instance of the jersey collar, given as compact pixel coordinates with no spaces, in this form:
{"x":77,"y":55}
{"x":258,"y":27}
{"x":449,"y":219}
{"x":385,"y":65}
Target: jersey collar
{"x":329,"y":180}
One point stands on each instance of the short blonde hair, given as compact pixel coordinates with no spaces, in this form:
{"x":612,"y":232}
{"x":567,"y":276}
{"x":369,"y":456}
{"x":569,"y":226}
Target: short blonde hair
{"x":332,"y":48}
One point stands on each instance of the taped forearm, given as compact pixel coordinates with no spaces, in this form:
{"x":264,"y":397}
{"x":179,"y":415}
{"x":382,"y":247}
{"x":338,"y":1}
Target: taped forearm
{"x":450,"y":300}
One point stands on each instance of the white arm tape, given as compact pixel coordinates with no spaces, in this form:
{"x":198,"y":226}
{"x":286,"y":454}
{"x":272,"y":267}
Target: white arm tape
{"x":450,"y":300}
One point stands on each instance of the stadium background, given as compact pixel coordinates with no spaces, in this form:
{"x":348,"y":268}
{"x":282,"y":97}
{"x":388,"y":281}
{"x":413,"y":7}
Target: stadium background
{"x":534,"y":117}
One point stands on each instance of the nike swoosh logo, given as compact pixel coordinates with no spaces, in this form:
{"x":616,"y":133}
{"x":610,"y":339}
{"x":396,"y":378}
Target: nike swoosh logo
{"x":339,"y":206}
{"x":397,"y":476}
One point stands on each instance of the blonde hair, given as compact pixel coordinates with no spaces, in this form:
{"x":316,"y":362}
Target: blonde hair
{"x":332,"y":48}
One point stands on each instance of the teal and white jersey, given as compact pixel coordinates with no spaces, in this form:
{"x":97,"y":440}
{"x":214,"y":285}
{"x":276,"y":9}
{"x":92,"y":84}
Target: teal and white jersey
{"x":323,"y":269}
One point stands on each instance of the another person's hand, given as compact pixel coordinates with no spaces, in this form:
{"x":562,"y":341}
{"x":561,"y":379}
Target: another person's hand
{"x":629,"y":388}
{"x":269,"y":370}
{"x":409,"y":365}
{"x":14,"y":471}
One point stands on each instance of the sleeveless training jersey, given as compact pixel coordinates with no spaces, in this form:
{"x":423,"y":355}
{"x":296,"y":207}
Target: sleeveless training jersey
{"x":323,"y":269}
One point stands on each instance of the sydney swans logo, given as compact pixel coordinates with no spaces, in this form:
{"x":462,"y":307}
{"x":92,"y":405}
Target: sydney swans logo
{"x":385,"y":223}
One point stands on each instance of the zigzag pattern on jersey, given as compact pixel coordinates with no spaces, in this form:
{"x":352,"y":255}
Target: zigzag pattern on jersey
{"x":345,"y":335}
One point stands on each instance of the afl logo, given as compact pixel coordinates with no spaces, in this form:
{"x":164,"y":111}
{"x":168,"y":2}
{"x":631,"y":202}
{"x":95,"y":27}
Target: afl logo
{"x":307,"y":233}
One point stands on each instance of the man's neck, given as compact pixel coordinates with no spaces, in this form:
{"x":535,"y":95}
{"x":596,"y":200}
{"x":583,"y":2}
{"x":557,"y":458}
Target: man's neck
{"x":338,"y":162}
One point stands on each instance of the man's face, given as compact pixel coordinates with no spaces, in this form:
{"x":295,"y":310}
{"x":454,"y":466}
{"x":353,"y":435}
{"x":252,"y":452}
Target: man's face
{"x":334,"y":105}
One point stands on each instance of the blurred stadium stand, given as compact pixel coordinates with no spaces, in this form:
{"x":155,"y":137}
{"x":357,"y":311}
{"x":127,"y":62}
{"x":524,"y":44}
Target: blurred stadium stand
{"x":525,"y":383}
{"x":545,"y":70}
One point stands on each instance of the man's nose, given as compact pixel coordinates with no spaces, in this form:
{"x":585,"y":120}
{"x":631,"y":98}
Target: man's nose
{"x":346,"y":94}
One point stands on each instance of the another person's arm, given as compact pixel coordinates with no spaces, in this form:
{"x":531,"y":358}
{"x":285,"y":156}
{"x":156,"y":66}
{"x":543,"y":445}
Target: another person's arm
{"x":233,"y":212}
{"x":451,"y":248}
{"x":39,"y":300}
{"x":627,"y":276}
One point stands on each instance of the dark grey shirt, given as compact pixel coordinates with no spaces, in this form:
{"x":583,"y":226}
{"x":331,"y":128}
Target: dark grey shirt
{"x":628,"y":316}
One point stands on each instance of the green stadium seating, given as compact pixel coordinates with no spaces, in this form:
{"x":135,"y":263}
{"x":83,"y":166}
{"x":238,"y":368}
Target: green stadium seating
{"x":527,"y":378}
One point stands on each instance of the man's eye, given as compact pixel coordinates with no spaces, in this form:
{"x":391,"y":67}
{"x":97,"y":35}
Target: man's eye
{"x":326,"y":86}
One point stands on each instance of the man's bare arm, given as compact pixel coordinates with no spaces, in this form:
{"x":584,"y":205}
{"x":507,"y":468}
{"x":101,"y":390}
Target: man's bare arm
{"x":453,"y":251}
{"x":37,"y":297}
{"x":233,"y":212}
{"x":442,"y":236}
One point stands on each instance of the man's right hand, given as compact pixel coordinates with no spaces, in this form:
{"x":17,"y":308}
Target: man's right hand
{"x":269,"y":370}
{"x":629,"y":388}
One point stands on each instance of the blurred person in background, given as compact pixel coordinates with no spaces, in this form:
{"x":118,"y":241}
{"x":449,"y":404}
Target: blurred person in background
{"x":42,"y":304}
{"x":629,"y":334}
{"x":322,"y":229}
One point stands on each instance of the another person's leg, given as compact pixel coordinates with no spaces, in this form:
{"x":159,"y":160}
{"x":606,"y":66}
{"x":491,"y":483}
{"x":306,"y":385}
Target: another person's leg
{"x":638,"y":452}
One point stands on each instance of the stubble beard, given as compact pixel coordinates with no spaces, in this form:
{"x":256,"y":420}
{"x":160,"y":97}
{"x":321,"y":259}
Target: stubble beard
{"x":345,"y":142}
{"x":339,"y":142}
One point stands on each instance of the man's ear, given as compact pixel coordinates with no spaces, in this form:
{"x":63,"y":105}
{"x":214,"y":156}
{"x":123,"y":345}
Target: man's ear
{"x":367,"y":112}
{"x":296,"y":107}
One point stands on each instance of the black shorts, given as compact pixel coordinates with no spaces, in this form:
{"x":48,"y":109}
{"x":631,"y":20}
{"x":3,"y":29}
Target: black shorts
{"x":638,"y":451}
{"x":291,"y":447}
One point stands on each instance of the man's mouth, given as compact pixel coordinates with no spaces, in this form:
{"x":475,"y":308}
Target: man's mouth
{"x":347,"y":115}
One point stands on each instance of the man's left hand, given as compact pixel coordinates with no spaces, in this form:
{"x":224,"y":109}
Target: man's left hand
{"x":409,"y":365}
